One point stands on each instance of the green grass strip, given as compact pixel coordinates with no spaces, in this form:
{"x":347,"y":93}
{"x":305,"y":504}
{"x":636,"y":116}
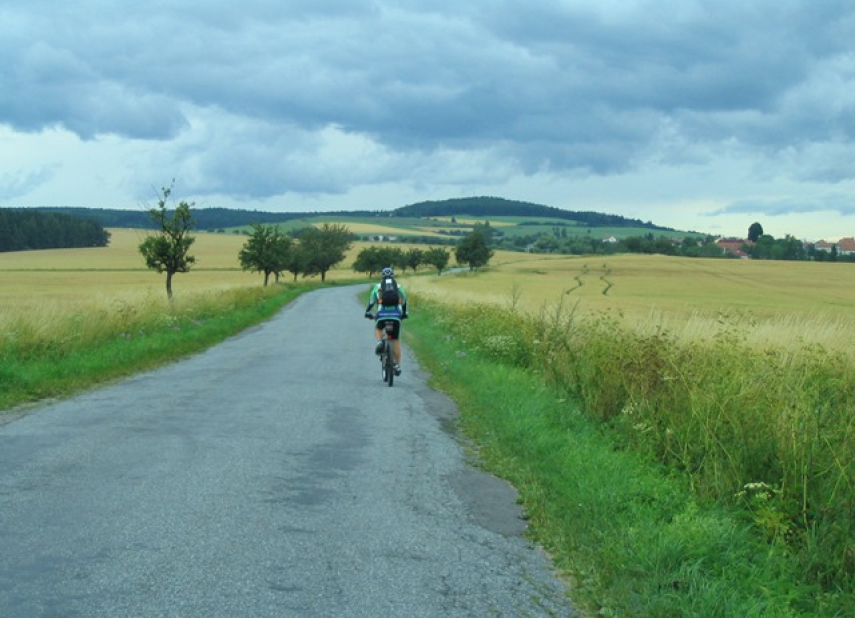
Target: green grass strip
{"x":632,"y":541}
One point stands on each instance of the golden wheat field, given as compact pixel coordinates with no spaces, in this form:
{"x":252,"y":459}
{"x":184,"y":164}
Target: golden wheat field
{"x":39,"y":281}
{"x":766,"y":302}
{"x":371,"y":229}
{"x":78,"y":274}
{"x":770,"y":302}
{"x":30,"y":279}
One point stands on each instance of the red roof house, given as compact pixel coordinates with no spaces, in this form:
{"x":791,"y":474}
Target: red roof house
{"x":846,"y":246}
{"x":733,"y":246}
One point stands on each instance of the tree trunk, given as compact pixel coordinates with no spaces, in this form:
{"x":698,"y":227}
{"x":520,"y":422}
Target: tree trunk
{"x":169,"y":285}
{"x":266,"y":277}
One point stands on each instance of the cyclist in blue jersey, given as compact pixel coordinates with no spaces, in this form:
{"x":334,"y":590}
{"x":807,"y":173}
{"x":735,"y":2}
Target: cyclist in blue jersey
{"x":391,"y":301}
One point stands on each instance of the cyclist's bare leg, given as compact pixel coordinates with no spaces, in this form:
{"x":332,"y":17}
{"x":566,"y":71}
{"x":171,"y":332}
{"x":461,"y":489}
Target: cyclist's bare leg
{"x":396,"y":345}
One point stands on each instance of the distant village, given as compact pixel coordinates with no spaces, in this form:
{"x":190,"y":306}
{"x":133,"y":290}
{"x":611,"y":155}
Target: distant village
{"x":735,"y":247}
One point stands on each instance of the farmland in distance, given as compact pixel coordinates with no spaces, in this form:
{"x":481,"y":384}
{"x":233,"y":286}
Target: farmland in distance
{"x":767,"y":302}
{"x":770,"y":302}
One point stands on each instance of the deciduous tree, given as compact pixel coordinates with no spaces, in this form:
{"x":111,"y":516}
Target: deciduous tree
{"x":473,"y":250}
{"x":265,"y":251}
{"x":374,"y":258}
{"x":167,"y":251}
{"x":322,"y":248}
{"x":755,"y":231}
{"x":438,"y":258}
{"x":415,"y":258}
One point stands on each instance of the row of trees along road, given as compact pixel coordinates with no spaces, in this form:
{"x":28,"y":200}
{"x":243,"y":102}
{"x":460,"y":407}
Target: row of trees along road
{"x":267,"y":250}
{"x":373,"y":259}
{"x":312,"y":251}
{"x":472,"y":250}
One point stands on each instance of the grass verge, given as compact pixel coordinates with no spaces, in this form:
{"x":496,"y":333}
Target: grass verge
{"x":56,"y":358}
{"x":632,"y":538}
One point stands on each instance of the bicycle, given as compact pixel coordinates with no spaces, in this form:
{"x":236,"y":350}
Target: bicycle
{"x":387,"y":358}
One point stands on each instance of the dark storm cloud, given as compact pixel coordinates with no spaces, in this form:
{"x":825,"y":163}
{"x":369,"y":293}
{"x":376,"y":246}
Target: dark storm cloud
{"x":543,"y":86}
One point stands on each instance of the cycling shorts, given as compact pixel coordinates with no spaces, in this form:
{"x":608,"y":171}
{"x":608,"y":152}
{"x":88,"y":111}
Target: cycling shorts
{"x":380,"y":324}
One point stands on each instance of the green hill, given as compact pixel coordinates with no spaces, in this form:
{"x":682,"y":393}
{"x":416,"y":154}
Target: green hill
{"x":487,"y":207}
{"x":476,"y":207}
{"x":205,"y":218}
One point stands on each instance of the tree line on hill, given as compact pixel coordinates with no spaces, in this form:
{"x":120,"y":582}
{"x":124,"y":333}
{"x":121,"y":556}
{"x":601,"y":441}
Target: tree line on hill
{"x":559,"y":241}
{"x":757,"y":246}
{"x":476,"y":207}
{"x":24,"y":229}
{"x":45,"y":228}
{"x":486,"y":207}
{"x":204,"y":218}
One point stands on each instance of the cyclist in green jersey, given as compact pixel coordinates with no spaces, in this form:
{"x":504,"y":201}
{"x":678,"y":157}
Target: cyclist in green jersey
{"x":391,"y":301}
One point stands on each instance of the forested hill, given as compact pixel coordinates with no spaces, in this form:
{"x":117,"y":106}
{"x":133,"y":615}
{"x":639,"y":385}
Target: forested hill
{"x":475,"y":207}
{"x":23,"y":230}
{"x":204,"y":218}
{"x":485,"y":207}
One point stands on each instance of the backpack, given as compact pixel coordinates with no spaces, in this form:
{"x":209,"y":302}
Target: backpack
{"x":389,"y":296}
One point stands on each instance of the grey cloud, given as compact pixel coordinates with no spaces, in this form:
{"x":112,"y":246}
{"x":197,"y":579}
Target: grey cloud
{"x":712,"y":72}
{"x":256,"y":159}
{"x":574,"y":86}
{"x":16,"y":184}
{"x":826,"y":162}
{"x":841,"y":204}
{"x":45,"y":85}
{"x":666,"y":56}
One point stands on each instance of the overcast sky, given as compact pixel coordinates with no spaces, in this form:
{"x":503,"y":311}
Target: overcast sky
{"x":700,"y":115}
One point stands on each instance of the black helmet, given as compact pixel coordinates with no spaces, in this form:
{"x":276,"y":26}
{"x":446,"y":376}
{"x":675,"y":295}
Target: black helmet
{"x":388,"y":272}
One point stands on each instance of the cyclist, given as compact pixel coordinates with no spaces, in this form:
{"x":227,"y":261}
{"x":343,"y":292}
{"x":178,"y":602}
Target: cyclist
{"x":391,"y":301}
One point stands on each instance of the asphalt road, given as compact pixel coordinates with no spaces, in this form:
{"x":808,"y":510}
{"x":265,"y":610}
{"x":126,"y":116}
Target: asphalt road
{"x":273,"y":475}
